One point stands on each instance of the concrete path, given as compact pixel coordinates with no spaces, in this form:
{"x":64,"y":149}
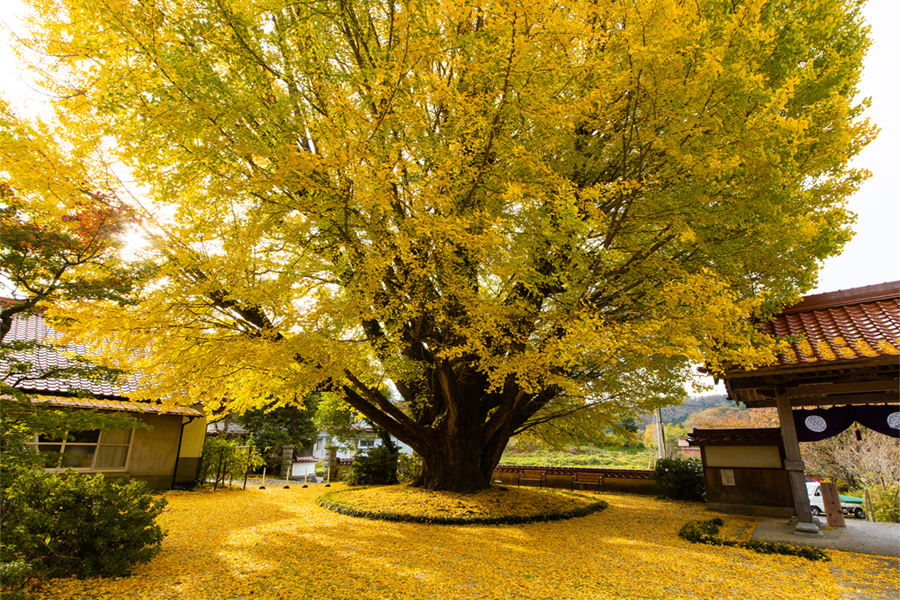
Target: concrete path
{"x":861,"y":536}
{"x":879,"y":540}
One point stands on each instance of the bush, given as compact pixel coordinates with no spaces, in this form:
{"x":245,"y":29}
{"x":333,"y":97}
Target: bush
{"x":337,"y":501}
{"x":706,"y":532}
{"x":378,"y":466}
{"x":410,"y":467}
{"x":677,"y":479}
{"x":227,"y":459}
{"x":885,"y":501}
{"x":55,"y":526}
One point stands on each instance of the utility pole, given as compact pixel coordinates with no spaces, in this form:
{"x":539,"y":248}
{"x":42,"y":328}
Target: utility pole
{"x":660,"y":436}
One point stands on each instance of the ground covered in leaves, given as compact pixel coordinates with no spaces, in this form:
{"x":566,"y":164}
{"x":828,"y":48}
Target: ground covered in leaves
{"x":497,"y":505}
{"x":279,"y":544}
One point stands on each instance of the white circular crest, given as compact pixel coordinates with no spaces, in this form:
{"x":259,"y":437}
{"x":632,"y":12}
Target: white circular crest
{"x":815,"y":423}
{"x":894,"y":420}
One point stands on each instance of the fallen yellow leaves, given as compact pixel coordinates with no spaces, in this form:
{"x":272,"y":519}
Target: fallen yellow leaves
{"x":497,"y":504}
{"x":277,"y":544}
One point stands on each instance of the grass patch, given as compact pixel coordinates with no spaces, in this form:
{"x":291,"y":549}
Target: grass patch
{"x":584,"y":456}
{"x":707,"y":532}
{"x":494,"y":506}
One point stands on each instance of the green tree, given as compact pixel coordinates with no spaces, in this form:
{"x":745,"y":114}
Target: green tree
{"x":519,"y":214}
{"x":671,"y":433}
{"x":273,"y":427}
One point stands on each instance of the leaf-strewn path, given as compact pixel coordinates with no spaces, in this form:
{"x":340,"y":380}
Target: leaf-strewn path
{"x":278,"y":544}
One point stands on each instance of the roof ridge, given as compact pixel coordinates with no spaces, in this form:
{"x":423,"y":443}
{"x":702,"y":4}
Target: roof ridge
{"x":841,"y":298}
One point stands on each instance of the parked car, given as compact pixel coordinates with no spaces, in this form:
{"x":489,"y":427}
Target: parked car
{"x":850,"y":505}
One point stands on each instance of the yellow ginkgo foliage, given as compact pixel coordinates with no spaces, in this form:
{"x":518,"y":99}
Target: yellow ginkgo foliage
{"x":524,"y":215}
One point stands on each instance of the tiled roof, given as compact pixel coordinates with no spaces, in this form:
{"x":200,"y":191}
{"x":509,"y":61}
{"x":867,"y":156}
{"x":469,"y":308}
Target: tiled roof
{"x":32,"y":327}
{"x":770,"y":436}
{"x":841,"y":326}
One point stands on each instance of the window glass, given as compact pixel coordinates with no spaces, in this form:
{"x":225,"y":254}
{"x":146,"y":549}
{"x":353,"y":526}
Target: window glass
{"x":78,"y":457}
{"x":87,"y":451}
{"x":116,"y":436}
{"x":84,"y":437}
{"x":111,"y":457}
{"x":50,"y":454}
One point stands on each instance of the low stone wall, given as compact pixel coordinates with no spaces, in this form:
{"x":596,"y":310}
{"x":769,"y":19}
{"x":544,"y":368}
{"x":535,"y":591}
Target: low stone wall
{"x":634,"y":481}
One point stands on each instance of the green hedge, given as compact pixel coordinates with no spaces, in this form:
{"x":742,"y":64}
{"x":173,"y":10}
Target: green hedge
{"x":706,"y":532}
{"x":330,"y":502}
{"x":78,"y":525}
{"x":378,"y":466}
{"x":679,"y":479}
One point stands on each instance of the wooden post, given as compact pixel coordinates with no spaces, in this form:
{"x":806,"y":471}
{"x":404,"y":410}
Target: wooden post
{"x":793,"y":464}
{"x":869,"y":506}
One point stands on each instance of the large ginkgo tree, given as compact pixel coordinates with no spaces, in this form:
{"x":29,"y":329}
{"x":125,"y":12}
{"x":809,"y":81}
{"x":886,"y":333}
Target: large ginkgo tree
{"x":466,"y":218}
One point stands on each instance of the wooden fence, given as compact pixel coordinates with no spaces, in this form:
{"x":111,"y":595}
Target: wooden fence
{"x":621,"y":480}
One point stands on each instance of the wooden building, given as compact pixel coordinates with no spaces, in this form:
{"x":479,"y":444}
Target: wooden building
{"x":844,"y":351}
{"x":165,"y":454}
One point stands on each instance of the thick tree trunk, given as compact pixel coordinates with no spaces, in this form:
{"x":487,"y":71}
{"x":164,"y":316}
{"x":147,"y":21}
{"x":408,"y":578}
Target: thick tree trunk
{"x":459,"y":435}
{"x":462,"y":462}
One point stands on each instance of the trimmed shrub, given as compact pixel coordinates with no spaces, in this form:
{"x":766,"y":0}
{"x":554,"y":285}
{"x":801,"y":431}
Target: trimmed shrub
{"x":377,"y":466}
{"x":679,"y":479}
{"x":334,"y":501}
{"x":706,"y":532}
{"x":78,"y":525}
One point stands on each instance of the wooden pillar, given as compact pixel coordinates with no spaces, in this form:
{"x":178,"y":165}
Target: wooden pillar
{"x":793,"y":463}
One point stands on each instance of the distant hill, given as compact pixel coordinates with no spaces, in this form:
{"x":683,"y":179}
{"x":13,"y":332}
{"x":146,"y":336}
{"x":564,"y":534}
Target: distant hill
{"x":678,"y":414}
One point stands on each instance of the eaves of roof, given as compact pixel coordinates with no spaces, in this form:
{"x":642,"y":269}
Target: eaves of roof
{"x":118,"y":405}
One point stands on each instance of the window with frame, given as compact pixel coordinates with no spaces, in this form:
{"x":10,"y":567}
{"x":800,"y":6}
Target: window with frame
{"x":86,"y":450}
{"x":366,"y":444}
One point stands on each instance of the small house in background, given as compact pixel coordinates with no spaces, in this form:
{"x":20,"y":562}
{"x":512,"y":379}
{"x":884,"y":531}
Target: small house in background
{"x":744,"y":471}
{"x":304,"y":467}
{"x":687,"y":449}
{"x":166,"y":454}
{"x":364,"y":441}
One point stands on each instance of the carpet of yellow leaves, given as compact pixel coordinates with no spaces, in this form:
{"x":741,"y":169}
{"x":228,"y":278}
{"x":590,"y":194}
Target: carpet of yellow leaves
{"x":277,"y":544}
{"x":494,"y":502}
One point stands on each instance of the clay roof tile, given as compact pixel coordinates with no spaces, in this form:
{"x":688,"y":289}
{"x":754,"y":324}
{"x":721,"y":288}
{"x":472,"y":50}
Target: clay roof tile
{"x":840,"y":326}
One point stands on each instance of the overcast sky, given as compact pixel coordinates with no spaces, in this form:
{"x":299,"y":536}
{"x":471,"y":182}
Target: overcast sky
{"x":871,"y":257}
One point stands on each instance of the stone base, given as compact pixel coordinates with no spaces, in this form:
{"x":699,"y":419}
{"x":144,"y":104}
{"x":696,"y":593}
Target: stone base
{"x":803,"y":529}
{"x":806,"y":529}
